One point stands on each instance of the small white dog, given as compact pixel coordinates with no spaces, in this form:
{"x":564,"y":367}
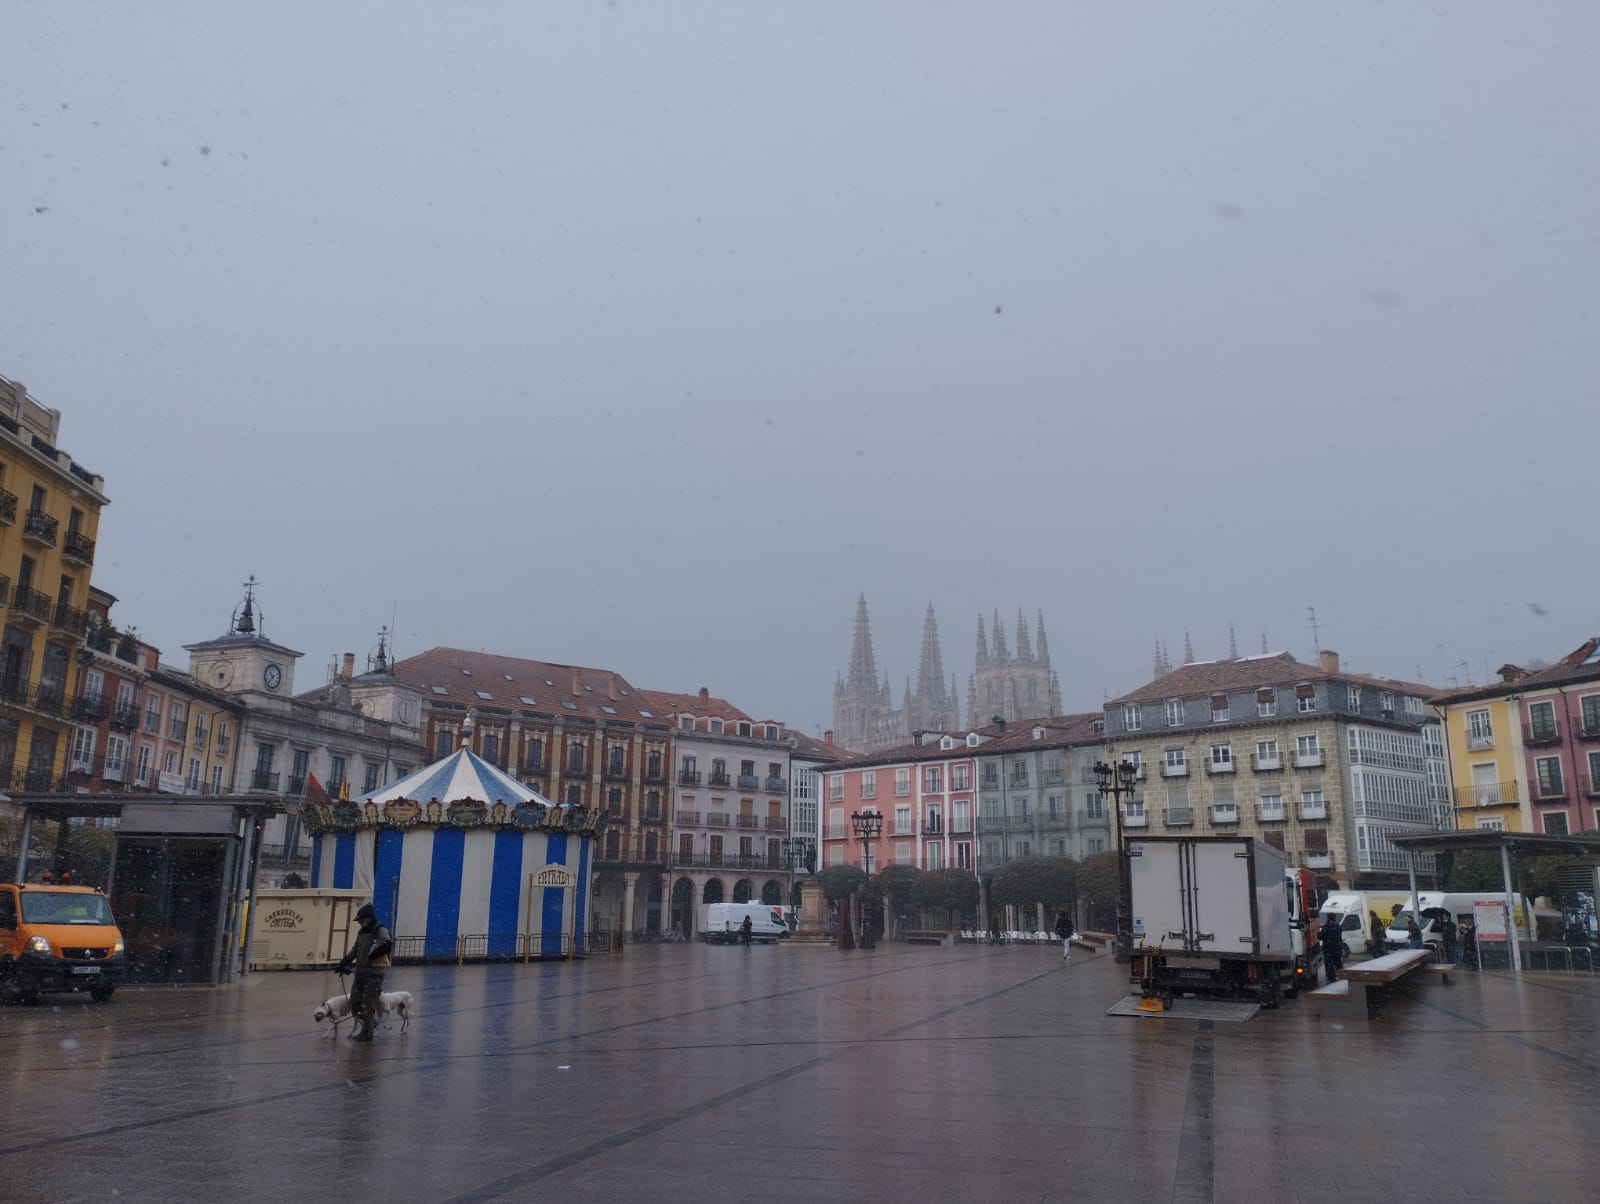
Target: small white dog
{"x":391,"y":1003}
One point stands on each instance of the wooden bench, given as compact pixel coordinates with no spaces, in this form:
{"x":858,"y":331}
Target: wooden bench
{"x":1103,"y":938}
{"x":1368,"y":987}
{"x":928,"y":937}
{"x":1441,"y":970}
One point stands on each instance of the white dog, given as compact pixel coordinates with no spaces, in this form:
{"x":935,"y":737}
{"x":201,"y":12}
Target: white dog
{"x":391,"y":1003}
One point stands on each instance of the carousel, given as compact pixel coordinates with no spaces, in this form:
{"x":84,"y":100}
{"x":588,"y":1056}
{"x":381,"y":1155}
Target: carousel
{"x":462,"y":861}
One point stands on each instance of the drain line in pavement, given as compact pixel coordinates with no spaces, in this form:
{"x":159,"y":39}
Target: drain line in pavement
{"x":1194,"y":1179}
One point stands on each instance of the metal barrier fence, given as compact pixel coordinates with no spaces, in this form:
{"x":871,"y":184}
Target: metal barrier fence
{"x":494,"y":946}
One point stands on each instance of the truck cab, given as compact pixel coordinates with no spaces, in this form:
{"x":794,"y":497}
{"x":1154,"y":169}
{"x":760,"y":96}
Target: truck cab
{"x":58,"y":938}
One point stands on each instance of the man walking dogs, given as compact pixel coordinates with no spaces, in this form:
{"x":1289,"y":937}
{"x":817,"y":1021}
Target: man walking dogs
{"x":1064,"y":931}
{"x":370,"y":958}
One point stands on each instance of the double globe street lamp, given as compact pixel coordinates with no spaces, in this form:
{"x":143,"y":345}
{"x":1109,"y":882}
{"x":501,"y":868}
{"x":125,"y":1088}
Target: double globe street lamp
{"x":1116,"y":781}
{"x":867,"y":826}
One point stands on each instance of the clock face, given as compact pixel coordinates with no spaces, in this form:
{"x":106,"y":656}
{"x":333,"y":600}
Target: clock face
{"x":273,"y":677}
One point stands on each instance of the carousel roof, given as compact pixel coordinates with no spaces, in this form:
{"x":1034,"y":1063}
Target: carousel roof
{"x":461,"y":775}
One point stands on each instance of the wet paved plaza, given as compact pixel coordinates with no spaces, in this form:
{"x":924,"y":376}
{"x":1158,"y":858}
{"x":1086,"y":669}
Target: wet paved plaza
{"x":797,"y":1074}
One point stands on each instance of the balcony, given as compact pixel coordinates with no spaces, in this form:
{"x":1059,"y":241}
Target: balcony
{"x":990,"y":781}
{"x":1314,"y":810}
{"x":261,"y":779}
{"x":1223,"y":815}
{"x":534,"y":769}
{"x":1053,"y":777}
{"x":30,"y":606}
{"x":336,"y":787}
{"x":1317,"y":861}
{"x":297,"y":786}
{"x":91,"y":708}
{"x":1270,"y":813}
{"x":776,"y":823}
{"x":689,"y":777}
{"x":933,"y":828}
{"x":1180,"y":770}
{"x":777,"y":786}
{"x":1019,"y":781}
{"x":1586,"y":730}
{"x":39,"y":528}
{"x":616,"y":773}
{"x":1486,"y":794}
{"x":960,"y":825}
{"x":990,"y":823}
{"x":686,"y":819}
{"x":69,"y":621}
{"x":1311,"y":759}
{"x":1542,"y":733}
{"x":1140,"y":820}
{"x":1478,"y":741}
{"x":574,"y":769}
{"x":1055,"y":821}
{"x":1549,"y":792}
{"x":201,"y":739}
{"x":1174,"y":817}
{"x":1263,"y":764}
{"x":717,"y":819}
{"x":749,"y":781}
{"x":8,"y":508}
{"x":718,"y":779}
{"x":126,"y":718}
{"x":78,"y":548}
{"x":1215,"y":767}
{"x":747,"y":822}
{"x":1019,"y":823}
{"x":655,"y":776}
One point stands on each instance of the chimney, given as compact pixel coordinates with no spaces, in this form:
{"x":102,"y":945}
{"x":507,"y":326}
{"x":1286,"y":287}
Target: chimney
{"x":705,"y":697}
{"x":999,"y":722}
{"x":349,"y":665}
{"x":827,"y":736}
{"x":577,"y":685}
{"x":916,"y":737}
{"x":1329,"y":660}
{"x":1511,"y":672}
{"x":613,"y":687}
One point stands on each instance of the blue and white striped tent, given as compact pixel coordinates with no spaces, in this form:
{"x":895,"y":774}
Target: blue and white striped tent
{"x":459,"y":849}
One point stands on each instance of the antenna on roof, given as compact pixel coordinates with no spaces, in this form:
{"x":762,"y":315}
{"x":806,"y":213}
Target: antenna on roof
{"x":1316,"y":631}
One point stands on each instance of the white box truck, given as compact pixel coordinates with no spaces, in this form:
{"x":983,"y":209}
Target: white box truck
{"x":720,"y":922}
{"x":1216,"y":915}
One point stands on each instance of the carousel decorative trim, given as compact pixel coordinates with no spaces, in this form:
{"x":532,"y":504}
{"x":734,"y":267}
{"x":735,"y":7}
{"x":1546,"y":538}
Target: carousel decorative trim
{"x":458,"y":813}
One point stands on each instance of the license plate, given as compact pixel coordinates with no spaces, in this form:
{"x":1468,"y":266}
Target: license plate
{"x":86,"y":969}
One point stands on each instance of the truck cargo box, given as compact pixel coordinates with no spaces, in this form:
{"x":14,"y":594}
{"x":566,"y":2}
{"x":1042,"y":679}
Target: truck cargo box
{"x":1221,"y":895}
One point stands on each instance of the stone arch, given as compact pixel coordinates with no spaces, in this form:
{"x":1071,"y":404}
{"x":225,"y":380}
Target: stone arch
{"x":771,"y":893}
{"x":712,"y":891}
{"x":683,"y":906}
{"x":741,"y":891}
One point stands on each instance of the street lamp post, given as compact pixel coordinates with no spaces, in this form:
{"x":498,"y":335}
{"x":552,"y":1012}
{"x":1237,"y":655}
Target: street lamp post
{"x":867,"y":825}
{"x":796,"y":852}
{"x":1116,"y":781}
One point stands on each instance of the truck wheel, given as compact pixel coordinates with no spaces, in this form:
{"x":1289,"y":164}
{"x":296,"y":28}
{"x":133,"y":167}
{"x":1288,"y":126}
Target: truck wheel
{"x":101,"y":994}
{"x":1270,"y":993}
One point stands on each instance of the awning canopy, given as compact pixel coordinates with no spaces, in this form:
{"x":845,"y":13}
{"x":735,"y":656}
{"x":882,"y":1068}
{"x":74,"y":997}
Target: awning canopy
{"x":1530,"y":844}
{"x":461,"y":775}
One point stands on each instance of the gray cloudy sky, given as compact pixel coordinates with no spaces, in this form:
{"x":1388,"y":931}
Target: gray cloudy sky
{"x":647,"y":335}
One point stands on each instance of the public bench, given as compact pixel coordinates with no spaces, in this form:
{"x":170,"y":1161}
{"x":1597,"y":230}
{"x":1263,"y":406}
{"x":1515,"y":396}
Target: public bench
{"x":1364,"y":989}
{"x":919,"y":936}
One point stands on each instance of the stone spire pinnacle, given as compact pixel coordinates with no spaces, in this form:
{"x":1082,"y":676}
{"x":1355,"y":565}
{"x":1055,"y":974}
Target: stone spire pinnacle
{"x":1000,"y":653}
{"x":930,"y":669}
{"x":1024,"y":646}
{"x":1233,"y":644}
{"x":983,"y":644}
{"x":955,"y":703}
{"x":1040,"y":644}
{"x":1159,"y":670}
{"x":863,"y":669}
{"x":1188,"y":648}
{"x":1263,"y":641}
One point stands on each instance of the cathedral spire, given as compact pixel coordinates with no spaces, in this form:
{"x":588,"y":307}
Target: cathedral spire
{"x":1188,"y":648}
{"x":983,"y":644}
{"x":1000,"y":653}
{"x":1263,"y":641}
{"x":1159,"y":669}
{"x":1041,"y":645}
{"x":1024,"y":647}
{"x":930,"y":669}
{"x":863,"y":670}
{"x":1233,"y":644}
{"x":955,"y":704}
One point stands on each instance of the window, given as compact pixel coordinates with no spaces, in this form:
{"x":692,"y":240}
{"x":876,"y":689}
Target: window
{"x":836,"y":790}
{"x":442,"y":740}
{"x":1094,"y":844}
{"x":869,"y":783}
{"x":960,"y":777}
{"x":772,"y":731}
{"x":1386,"y":702}
{"x":336,"y":775}
{"x":82,"y":748}
{"x":1555,"y":823}
{"x":1136,"y":759}
{"x":1542,"y":721}
{"x":934,"y":853}
{"x":370,"y":778}
{"x":1307,"y":748}
{"x":169,"y":762}
{"x":1274,"y":838}
{"x":1594,"y":773}
{"x":1266,"y":754}
{"x":1491,"y":823}
{"x":574,"y":795}
{"x":1590,"y":706}
{"x":716,"y":727}
{"x":1305,"y":698}
{"x":491,"y":748}
{"x":1480,"y":733}
{"x":1413,"y":704}
{"x":932,"y":779}
{"x":1312,"y":805}
{"x":533,"y":756}
{"x":1174,"y":712}
{"x":1266,"y":704}
{"x":575,"y":757}
{"x":902,"y":820}
{"x":1019,"y":773}
{"x":116,"y":757}
{"x":1094,"y":805}
{"x":1130,"y":717}
{"x":1270,"y":808}
{"x":902,"y":782}
{"x":1353,"y":697}
{"x":1222,"y":758}
{"x":1549,"y":773}
{"x":176,"y":726}
{"x":300,"y":767}
{"x":141,"y":773}
{"x":94,"y":684}
{"x":963,"y":855}
{"x":686,"y":723}
{"x":744,"y":728}
{"x":216,"y":779}
{"x":222,"y":736}
{"x":836,"y":823}
{"x":1219,"y":708}
{"x":652,"y":804}
{"x":1176,"y":766}
{"x":615,"y":754}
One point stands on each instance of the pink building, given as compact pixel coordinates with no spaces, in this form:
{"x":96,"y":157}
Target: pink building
{"x":924,"y":793}
{"x":1560,"y":712}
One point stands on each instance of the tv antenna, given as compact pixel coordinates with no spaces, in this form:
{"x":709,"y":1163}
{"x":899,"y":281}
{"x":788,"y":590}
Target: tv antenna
{"x":1316,"y":630}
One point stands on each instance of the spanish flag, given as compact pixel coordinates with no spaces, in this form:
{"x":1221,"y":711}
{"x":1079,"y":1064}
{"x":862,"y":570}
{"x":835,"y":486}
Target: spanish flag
{"x":344,"y":791}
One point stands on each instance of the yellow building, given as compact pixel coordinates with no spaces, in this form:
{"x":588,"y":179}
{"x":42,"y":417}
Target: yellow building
{"x":1483,"y":750}
{"x":49,"y":517}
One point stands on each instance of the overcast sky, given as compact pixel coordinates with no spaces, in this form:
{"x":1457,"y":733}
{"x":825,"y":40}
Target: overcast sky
{"x":647,"y":336}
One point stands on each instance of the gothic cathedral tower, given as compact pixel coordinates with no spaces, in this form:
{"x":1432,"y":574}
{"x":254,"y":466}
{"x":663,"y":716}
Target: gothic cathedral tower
{"x":865,"y":718}
{"x":1012,"y":686}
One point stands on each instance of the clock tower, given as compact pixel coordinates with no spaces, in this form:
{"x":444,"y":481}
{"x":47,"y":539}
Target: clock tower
{"x":245,"y":661}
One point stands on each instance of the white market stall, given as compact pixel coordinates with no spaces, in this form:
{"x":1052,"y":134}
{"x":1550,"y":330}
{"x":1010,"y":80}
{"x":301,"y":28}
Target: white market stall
{"x":461,"y":859}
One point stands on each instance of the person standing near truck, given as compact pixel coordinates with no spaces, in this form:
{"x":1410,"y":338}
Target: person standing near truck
{"x":1332,"y":938}
{"x":1378,"y":935}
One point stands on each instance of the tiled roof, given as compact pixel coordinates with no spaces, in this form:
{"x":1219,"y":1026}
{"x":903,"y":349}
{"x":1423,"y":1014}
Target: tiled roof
{"x":1252,"y":672}
{"x":483,"y":679}
{"x":1060,"y":731}
{"x":1581,"y":664}
{"x":928,"y":750}
{"x":665,"y":702}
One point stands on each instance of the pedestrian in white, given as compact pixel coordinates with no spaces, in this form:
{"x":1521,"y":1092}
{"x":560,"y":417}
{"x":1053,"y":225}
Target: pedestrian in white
{"x":1064,"y":931}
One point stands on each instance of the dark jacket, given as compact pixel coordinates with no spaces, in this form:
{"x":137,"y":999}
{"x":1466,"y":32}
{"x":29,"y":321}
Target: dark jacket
{"x":1063,"y":926}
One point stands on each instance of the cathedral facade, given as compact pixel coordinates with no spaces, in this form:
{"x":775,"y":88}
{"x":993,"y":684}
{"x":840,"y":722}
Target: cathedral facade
{"x":865,"y":718}
{"x":1012,"y":685}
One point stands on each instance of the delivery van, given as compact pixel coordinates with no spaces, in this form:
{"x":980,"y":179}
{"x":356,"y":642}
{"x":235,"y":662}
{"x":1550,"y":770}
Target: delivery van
{"x":1351,"y":908}
{"x":720,"y":922}
{"x":57,"y":939}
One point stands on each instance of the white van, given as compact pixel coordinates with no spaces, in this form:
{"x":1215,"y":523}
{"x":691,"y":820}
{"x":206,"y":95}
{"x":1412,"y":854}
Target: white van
{"x":1458,"y":903}
{"x":1352,"y":908}
{"x":720,"y":923}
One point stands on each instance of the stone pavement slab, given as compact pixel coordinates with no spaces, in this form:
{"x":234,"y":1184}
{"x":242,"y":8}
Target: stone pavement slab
{"x":789,"y":1073}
